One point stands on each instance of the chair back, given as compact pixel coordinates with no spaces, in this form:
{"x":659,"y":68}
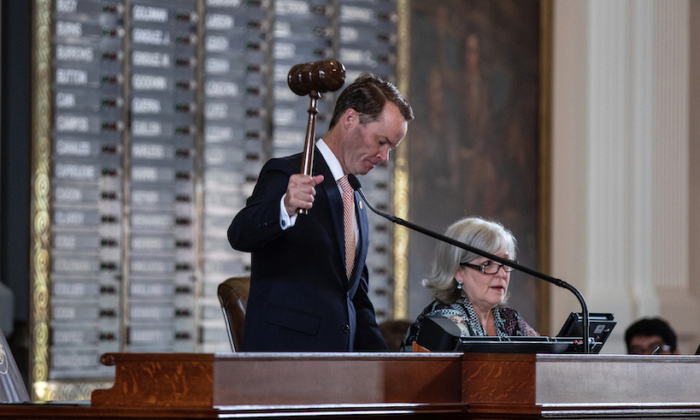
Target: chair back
{"x":12,"y":388}
{"x":233,"y":296}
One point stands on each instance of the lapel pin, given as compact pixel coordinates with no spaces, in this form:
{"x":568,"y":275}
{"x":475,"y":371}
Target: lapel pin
{"x":360,"y":205}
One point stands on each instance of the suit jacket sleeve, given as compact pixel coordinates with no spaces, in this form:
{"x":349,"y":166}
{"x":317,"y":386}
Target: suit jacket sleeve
{"x":259,"y":222}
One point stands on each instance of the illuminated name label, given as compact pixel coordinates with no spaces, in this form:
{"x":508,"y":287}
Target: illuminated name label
{"x":71,"y":77}
{"x":74,"y":29}
{"x":65,"y":100}
{"x":156,"y":220}
{"x":146,"y":129}
{"x":148,"y":243}
{"x":149,"y":266}
{"x":144,"y":197}
{"x":223,"y":3}
{"x":285,"y":95}
{"x":348,"y":34}
{"x":291,"y":7}
{"x":216,"y":111}
{"x":149,"y":14}
{"x":284,"y":116}
{"x":144,"y":174}
{"x":68,"y":194}
{"x":150,"y":312}
{"x":283,"y":29}
{"x":69,"y":289}
{"x":73,"y":148}
{"x":284,"y":50}
{"x":68,"y":337}
{"x":145,"y":106}
{"x":70,"y":218}
{"x":214,"y":156}
{"x":217,"y":88}
{"x":216,"y":43}
{"x":66,"y":6}
{"x":70,"y":123}
{"x":75,"y":53}
{"x":63,"y":312}
{"x":217,"y":65}
{"x":148,"y":151}
{"x":148,"y":82}
{"x":349,"y":13}
{"x":150,"y":59}
{"x":74,"y":361}
{"x":218,"y":21}
{"x":63,"y":264}
{"x":148,"y":289}
{"x":216,"y":134}
{"x":150,"y":36}
{"x":64,"y":241}
{"x":355,"y":56}
{"x":75,"y":171}
{"x":147,"y":336}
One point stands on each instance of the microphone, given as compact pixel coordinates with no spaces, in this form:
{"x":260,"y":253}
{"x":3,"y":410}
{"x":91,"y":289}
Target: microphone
{"x":355,"y":184}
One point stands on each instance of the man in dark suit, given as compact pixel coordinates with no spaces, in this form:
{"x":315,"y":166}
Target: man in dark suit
{"x":306,"y":292}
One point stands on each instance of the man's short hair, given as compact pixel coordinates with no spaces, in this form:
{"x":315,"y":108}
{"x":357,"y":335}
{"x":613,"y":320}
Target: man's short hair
{"x":649,"y":327}
{"x":367,"y":95}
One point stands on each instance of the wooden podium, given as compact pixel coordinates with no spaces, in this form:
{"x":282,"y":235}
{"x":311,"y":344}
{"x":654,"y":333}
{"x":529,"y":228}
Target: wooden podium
{"x":389,"y":385}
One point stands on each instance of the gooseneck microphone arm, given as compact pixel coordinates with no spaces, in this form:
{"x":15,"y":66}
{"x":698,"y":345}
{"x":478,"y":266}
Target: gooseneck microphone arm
{"x":355,"y":184}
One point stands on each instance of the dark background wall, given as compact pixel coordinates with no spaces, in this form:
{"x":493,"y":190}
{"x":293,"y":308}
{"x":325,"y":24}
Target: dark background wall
{"x":15,"y":167}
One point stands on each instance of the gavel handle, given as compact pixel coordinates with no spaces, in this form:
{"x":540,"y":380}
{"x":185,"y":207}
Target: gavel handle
{"x":307,"y":161}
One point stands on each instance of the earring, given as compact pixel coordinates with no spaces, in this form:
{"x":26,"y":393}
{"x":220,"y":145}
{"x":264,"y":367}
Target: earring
{"x":459,"y":284}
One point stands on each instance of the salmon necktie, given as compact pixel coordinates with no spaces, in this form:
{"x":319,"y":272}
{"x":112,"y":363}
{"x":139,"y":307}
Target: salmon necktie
{"x":348,"y":219}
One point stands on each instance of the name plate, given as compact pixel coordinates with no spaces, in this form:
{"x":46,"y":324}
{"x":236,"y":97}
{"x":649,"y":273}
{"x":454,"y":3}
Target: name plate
{"x":152,"y":313}
{"x":70,"y":194}
{"x":149,"y":14}
{"x":292,"y":8}
{"x":224,"y":3}
{"x":357,"y":14}
{"x":63,"y":312}
{"x":76,"y":264}
{"x":75,"y":361}
{"x":75,"y":171}
{"x":220,"y":89}
{"x":152,"y":174}
{"x":74,"y":241}
{"x":152,"y":243}
{"x":151,"y":221}
{"x":150,"y":36}
{"x":152,"y":266}
{"x":73,"y":337}
{"x":151,"y":197}
{"x":151,"y":59}
{"x":75,"y":289}
{"x":147,"y":82}
{"x":218,"y":22}
{"x":76,"y":218}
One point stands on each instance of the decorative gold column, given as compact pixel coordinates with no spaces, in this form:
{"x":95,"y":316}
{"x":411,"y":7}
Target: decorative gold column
{"x":403,"y":81}
{"x":40,"y":259}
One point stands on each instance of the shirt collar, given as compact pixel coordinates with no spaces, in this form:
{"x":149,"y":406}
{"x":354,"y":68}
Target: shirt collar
{"x":331,"y":160}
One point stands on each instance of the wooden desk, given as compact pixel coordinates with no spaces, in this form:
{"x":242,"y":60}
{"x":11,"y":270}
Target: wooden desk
{"x":389,"y":385}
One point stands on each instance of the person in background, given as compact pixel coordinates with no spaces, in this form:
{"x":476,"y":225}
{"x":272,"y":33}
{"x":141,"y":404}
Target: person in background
{"x":470,"y":289}
{"x":651,"y":336}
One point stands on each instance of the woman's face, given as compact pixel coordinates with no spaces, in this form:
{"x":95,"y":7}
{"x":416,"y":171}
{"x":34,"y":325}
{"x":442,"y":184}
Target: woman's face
{"x":484,"y":291}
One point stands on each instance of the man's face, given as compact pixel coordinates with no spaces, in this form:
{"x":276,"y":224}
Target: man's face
{"x":646,"y":344}
{"x":364,"y":146}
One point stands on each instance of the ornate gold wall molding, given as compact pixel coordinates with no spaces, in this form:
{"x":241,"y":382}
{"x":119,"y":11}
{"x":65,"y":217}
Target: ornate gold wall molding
{"x":40,"y":260}
{"x":400,"y":185}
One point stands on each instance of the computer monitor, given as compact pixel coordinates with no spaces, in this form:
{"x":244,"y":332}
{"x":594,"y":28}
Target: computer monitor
{"x":601,"y":325}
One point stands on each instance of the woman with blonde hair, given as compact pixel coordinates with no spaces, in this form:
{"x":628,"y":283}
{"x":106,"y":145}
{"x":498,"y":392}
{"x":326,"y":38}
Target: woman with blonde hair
{"x":470,"y":289}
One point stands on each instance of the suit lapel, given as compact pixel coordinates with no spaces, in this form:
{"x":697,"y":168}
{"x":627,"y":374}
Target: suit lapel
{"x":335,"y":202}
{"x":363,"y":243}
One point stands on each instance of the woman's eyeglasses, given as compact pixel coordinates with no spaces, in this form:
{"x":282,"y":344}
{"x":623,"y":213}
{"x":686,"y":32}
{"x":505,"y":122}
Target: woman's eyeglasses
{"x":489,"y":267}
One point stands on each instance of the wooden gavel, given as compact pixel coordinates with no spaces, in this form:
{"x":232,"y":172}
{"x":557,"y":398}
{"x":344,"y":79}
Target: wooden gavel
{"x":313,"y":79}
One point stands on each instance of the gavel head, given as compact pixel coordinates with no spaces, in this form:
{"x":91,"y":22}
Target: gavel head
{"x":321,"y":76}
